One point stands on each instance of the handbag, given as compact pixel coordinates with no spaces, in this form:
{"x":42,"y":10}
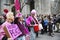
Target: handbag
{"x":40,"y":26}
{"x":36,"y":28}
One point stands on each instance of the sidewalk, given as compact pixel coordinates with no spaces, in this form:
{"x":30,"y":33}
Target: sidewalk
{"x":46,"y":37}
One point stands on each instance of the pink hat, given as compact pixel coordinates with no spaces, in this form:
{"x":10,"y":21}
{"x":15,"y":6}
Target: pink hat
{"x":19,"y":15}
{"x":33,"y":11}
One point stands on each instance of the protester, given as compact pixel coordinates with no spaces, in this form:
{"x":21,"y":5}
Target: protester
{"x":54,"y":21}
{"x":31,"y":21}
{"x":9,"y":20}
{"x":40,"y":25}
{"x":19,"y":21}
{"x":50,"y":24}
{"x":42,"y":22}
{"x":45,"y":24}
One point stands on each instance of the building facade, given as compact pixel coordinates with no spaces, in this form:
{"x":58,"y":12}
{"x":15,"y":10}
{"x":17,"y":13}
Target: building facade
{"x":41,"y":6}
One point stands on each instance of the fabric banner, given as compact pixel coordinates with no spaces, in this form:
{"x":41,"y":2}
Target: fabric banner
{"x":17,"y":4}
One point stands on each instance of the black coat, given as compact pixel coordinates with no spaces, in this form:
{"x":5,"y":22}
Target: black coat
{"x":50,"y":27}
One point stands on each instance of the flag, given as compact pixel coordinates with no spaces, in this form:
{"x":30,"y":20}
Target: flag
{"x":17,"y":4}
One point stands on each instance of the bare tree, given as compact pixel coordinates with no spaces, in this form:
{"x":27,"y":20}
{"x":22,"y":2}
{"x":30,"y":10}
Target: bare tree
{"x":26,"y":2}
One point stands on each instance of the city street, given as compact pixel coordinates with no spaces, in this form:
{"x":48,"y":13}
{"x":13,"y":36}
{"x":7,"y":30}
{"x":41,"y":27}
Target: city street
{"x":23,"y":19}
{"x":46,"y":37}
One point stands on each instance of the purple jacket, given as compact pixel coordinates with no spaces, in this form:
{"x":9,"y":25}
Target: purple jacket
{"x":23,"y":29}
{"x":29,"y":19}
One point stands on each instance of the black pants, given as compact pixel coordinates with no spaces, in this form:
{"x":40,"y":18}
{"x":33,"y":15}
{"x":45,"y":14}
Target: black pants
{"x":50,"y":30}
{"x":36,"y":34}
{"x":42,"y":31}
{"x":4,"y":38}
{"x":29,"y":28}
{"x":45,"y":29}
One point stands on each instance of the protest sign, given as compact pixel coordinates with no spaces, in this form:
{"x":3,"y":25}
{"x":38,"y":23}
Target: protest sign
{"x":12,"y":31}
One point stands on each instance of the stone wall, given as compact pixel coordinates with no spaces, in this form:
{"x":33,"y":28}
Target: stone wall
{"x":26,"y":8}
{"x":42,"y":6}
{"x":4,"y":6}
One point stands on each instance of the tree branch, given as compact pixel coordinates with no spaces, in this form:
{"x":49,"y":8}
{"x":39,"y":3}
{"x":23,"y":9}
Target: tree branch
{"x":22,"y":7}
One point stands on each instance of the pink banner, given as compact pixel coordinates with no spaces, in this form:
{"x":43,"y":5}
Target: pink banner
{"x":13,"y":31}
{"x":17,"y":5}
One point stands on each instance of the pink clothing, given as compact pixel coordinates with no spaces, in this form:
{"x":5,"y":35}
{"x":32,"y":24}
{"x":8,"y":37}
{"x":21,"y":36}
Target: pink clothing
{"x":2,"y":33}
{"x":6,"y":24}
{"x":27,"y":22}
{"x":29,"y":19}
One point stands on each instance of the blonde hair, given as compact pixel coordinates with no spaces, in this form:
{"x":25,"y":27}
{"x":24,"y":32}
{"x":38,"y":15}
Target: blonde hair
{"x":10,"y":15}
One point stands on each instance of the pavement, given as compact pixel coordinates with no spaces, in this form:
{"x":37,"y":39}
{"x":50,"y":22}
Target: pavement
{"x":47,"y":37}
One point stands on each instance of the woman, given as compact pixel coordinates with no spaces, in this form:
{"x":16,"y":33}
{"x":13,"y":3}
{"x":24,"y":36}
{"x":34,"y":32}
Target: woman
{"x":30,"y":22}
{"x":19,"y":21}
{"x":45,"y":24}
{"x":9,"y":20}
{"x":50,"y":27}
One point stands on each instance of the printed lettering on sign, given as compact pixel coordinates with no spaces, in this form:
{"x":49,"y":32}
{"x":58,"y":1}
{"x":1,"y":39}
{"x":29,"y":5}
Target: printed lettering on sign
{"x":13,"y":31}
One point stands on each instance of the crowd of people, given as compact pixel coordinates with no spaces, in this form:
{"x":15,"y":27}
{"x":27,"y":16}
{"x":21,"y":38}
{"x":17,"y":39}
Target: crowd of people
{"x":47,"y":24}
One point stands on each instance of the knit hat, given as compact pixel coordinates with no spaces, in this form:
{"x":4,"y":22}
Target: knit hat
{"x":33,"y":11}
{"x":19,"y":15}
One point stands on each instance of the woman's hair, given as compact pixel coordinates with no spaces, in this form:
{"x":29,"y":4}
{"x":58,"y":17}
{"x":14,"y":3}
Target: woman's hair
{"x":16,"y":20}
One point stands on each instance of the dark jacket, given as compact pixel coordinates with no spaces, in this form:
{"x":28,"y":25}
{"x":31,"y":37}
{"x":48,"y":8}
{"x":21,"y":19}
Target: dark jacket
{"x":50,"y":27}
